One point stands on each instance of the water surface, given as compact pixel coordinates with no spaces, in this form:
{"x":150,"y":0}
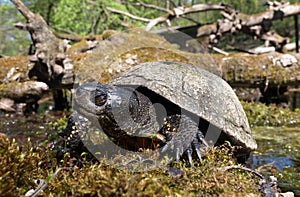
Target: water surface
{"x":279,"y":149}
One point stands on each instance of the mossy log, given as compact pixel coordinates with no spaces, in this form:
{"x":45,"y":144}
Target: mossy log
{"x":116,"y":53}
{"x":123,"y":50}
{"x":101,"y":57}
{"x":24,"y":92}
{"x":15,"y":82}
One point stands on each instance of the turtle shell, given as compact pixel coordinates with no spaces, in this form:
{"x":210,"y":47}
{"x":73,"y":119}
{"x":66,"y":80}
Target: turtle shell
{"x":197,"y":91}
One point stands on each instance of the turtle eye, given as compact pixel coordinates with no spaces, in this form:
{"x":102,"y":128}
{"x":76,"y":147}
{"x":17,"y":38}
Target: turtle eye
{"x":100,"y":98}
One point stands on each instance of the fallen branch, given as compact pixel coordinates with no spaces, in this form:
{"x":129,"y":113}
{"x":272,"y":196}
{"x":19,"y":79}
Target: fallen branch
{"x":183,"y":11}
{"x":180,"y":11}
{"x":25,"y":92}
{"x":257,"y":25}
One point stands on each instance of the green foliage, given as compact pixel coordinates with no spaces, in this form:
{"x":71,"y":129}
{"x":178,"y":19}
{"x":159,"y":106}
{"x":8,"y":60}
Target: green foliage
{"x":70,"y":15}
{"x":12,"y":40}
{"x":84,"y":18}
{"x":44,"y":8}
{"x":91,"y":17}
{"x":260,"y":114}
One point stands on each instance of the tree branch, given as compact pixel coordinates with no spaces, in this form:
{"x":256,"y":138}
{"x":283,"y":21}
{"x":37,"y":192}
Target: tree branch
{"x":180,"y":11}
{"x":49,"y":50}
{"x":203,"y":7}
{"x":23,"y":9}
{"x":128,"y":14}
{"x":140,"y":3}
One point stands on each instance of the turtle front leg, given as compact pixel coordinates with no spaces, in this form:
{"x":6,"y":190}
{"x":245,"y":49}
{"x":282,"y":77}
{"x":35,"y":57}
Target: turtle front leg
{"x":73,"y":135}
{"x":195,"y":146}
{"x":183,"y":138}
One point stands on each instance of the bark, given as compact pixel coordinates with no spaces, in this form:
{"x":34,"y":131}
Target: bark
{"x":50,"y":52}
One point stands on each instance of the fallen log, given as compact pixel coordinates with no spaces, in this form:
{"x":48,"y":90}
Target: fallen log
{"x":23,"y":92}
{"x":115,"y":55}
{"x":264,"y":70}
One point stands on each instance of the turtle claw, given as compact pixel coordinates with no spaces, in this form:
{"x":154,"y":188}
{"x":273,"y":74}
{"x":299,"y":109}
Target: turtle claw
{"x":200,"y":137}
{"x":189,"y":152}
{"x":189,"y":156}
{"x":187,"y":139}
{"x":177,"y":155}
{"x":198,"y":153}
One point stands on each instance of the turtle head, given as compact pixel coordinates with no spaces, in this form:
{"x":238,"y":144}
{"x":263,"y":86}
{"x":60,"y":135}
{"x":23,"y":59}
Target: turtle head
{"x":102,"y":100}
{"x":90,"y":99}
{"x":118,"y":109}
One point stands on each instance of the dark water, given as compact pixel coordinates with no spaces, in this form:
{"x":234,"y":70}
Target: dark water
{"x":279,"y":151}
{"x":39,"y":128}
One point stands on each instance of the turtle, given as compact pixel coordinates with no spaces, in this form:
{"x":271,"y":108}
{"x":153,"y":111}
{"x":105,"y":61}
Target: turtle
{"x":176,"y":108}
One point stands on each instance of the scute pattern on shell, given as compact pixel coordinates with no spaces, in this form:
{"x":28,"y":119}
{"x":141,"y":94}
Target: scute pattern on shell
{"x":197,"y":91}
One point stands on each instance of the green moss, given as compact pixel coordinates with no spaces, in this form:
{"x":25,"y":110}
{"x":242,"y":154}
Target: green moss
{"x":242,"y":68}
{"x":260,"y":114}
{"x":58,"y":124}
{"x":20,"y":166}
{"x":204,"y":178}
{"x":29,"y":163}
{"x":126,"y":49}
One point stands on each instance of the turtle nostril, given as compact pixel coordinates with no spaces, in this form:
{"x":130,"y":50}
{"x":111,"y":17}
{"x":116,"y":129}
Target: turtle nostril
{"x":100,"y":98}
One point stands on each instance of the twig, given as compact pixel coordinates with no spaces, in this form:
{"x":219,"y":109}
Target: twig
{"x":42,"y":183}
{"x":220,"y":51}
{"x":242,"y":168}
{"x":156,"y":21}
{"x":128,"y":14}
{"x":140,"y":3}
